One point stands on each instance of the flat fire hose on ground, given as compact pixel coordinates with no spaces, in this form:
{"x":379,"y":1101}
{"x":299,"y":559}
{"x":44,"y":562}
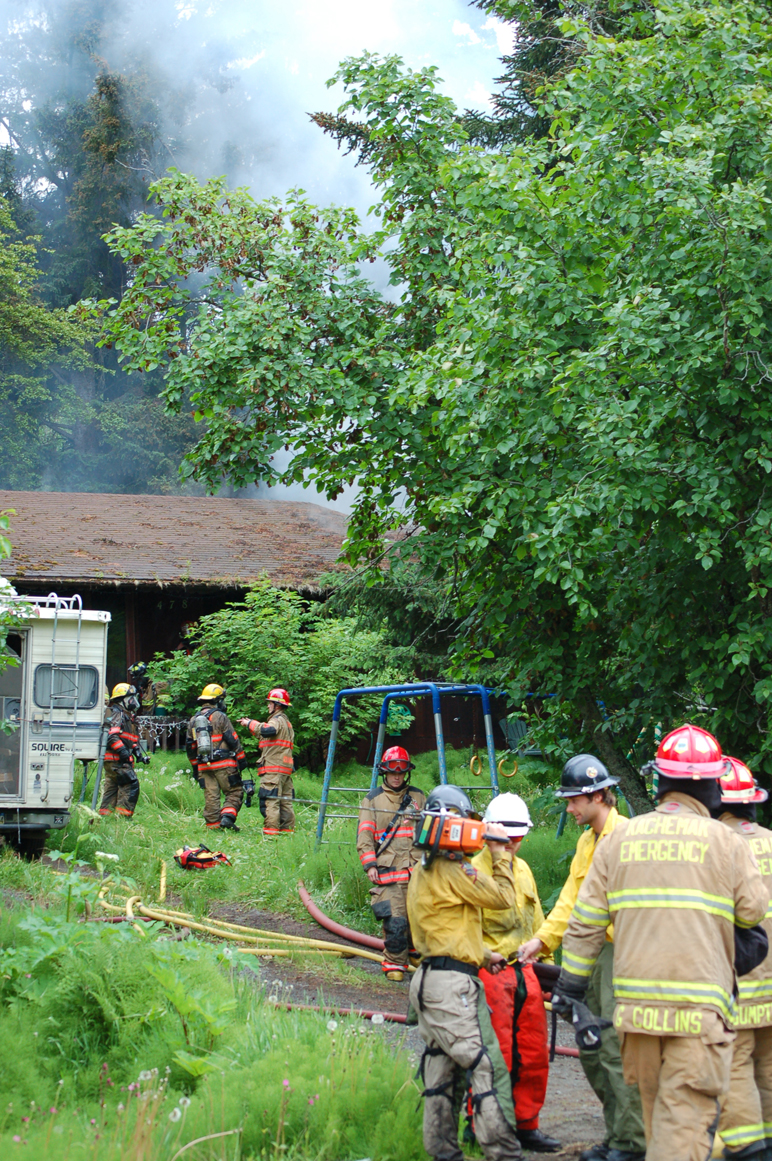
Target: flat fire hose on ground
{"x":546,"y":973}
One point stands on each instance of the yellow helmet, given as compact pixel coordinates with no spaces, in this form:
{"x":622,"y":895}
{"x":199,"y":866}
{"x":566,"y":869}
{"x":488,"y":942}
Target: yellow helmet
{"x":211,"y":692}
{"x":121,"y":690}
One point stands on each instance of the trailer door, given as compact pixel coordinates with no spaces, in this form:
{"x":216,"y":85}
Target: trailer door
{"x":11,"y":717}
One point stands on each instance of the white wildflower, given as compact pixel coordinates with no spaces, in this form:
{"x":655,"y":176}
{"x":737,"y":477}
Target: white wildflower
{"x":332,"y":1025}
{"x":107,"y":855}
{"x":175,"y":1115}
{"x":376,"y":1018}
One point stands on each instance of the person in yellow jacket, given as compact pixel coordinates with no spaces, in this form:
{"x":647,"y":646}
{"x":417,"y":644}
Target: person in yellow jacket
{"x":587,"y":788}
{"x":683,"y":892}
{"x":445,"y":900}
{"x":275,"y":765}
{"x":215,"y":753}
{"x":746,"y":1113}
{"x":514,"y":994}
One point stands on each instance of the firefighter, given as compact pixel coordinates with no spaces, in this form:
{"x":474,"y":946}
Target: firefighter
{"x":121,"y":785}
{"x":215,"y":753}
{"x":514,"y":994}
{"x":385,"y":848}
{"x":275,"y":765}
{"x":587,"y":789}
{"x":445,"y":899}
{"x":746,"y":1114}
{"x":680,"y":889}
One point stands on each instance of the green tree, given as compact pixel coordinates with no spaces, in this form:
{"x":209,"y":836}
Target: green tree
{"x":567,"y":409}
{"x":273,"y":638}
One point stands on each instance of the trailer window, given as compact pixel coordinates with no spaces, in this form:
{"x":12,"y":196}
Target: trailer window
{"x":66,"y":681}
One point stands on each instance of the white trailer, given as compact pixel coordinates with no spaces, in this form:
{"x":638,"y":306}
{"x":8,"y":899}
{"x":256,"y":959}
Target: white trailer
{"x":54,"y":701}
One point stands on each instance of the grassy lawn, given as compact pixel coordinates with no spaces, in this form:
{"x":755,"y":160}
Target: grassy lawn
{"x":118,"y":1044}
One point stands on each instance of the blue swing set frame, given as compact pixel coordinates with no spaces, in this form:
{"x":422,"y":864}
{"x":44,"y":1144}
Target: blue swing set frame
{"x":435,"y":690}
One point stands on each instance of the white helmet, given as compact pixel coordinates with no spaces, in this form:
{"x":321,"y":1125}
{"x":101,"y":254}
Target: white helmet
{"x":509,"y":811}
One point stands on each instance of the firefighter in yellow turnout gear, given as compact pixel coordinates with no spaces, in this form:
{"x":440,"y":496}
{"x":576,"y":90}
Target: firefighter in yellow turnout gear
{"x":445,"y":900}
{"x":215,"y":753}
{"x":121,"y":785}
{"x":746,"y":1113}
{"x":275,"y":765}
{"x":587,"y":789}
{"x":680,"y":889}
{"x":385,"y":848}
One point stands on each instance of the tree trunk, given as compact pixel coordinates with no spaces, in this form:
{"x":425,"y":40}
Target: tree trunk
{"x":605,"y":745}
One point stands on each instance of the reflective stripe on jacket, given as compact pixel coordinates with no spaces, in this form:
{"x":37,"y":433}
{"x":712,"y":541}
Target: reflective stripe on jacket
{"x":504,"y":931}
{"x":445,"y":904}
{"x":553,"y":929}
{"x":375,"y":814}
{"x":754,"y":1004}
{"x":224,"y":738}
{"x":275,"y":753}
{"x":675,"y":882}
{"x":121,"y":733}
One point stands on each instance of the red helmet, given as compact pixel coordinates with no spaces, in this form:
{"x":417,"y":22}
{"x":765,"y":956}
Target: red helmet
{"x":395,"y":760}
{"x":690,"y":752}
{"x":279,"y":695}
{"x":739,"y":785}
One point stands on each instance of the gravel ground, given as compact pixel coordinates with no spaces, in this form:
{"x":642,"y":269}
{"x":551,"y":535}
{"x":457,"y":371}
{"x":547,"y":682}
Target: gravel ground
{"x":572,"y":1112}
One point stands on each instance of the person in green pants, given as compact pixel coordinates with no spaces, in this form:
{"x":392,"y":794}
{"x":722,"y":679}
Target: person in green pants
{"x":587,"y":788}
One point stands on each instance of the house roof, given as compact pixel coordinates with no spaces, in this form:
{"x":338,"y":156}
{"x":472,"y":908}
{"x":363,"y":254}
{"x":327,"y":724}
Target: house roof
{"x":96,"y":539}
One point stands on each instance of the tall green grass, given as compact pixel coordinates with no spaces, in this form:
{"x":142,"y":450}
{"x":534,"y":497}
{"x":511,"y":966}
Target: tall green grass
{"x":265,"y":872}
{"x":121,"y":1046}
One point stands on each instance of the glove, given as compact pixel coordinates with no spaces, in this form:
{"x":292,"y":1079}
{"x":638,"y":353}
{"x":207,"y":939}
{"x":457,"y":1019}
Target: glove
{"x":142,"y":756}
{"x":751,"y":946}
{"x":587,"y":1027}
{"x":249,"y":790}
{"x":565,"y":994}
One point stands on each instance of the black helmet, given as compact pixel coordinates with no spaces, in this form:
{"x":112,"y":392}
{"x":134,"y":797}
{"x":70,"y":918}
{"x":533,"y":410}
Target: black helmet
{"x":451,"y":799}
{"x":137,"y":674}
{"x":584,"y":774}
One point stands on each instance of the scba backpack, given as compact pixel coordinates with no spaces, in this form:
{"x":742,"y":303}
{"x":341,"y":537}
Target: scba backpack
{"x":200,"y":858}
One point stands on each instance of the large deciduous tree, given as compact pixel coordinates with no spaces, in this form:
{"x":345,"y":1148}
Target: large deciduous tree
{"x":568,"y":406}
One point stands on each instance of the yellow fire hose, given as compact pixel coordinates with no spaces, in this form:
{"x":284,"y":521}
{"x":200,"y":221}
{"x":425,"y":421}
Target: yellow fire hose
{"x":235,"y":932}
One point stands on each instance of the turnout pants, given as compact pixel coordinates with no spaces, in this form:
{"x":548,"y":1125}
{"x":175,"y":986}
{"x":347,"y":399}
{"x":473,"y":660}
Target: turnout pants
{"x":389,"y":903}
{"x":275,"y":801}
{"x":228,"y":781}
{"x":681,"y":1079}
{"x":120,"y":789}
{"x":621,"y":1101}
{"x":746,"y":1113}
{"x":461,"y":1051}
{"x":519,"y":1020}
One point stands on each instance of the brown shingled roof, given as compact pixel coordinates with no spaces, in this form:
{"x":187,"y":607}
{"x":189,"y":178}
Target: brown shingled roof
{"x":146,"y":540}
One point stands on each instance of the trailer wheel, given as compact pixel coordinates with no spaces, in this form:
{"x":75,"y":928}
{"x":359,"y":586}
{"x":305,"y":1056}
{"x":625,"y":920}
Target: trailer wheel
{"x":30,"y":843}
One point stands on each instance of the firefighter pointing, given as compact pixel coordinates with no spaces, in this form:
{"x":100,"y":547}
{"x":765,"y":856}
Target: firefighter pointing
{"x":275,"y":765}
{"x":385,"y":848}
{"x":682,"y":891}
{"x":215,"y":753}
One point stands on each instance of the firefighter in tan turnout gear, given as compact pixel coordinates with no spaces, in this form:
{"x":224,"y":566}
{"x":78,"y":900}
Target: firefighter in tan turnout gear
{"x":445,"y":901}
{"x":215,"y":753}
{"x":385,"y":847}
{"x":275,"y":765}
{"x":746,"y":1112}
{"x":121,"y":785}
{"x":587,"y":789}
{"x":683,"y":891}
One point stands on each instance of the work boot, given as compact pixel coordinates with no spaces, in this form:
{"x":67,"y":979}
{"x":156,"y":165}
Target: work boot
{"x":228,"y":821}
{"x":624,"y":1155}
{"x":537,"y":1141}
{"x":595,"y":1153}
{"x":395,"y":975}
